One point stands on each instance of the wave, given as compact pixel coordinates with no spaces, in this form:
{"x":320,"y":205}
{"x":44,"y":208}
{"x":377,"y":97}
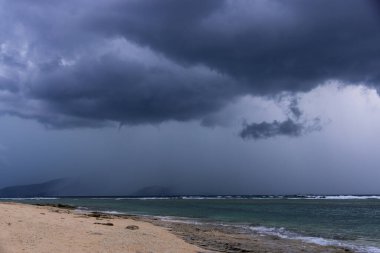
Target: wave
{"x":217,"y":197}
{"x":350,"y":197}
{"x":199,"y":197}
{"x":328,"y":197}
{"x":280,"y":232}
{"x":207,"y":197}
{"x":332,"y":197}
{"x":283,"y":233}
{"x":35,"y":198}
{"x":274,"y":231}
{"x":179,"y":220}
{"x":112,"y":212}
{"x":143,"y":198}
{"x":258,"y":197}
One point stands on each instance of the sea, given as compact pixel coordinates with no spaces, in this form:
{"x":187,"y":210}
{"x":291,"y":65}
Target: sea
{"x":348,"y":221}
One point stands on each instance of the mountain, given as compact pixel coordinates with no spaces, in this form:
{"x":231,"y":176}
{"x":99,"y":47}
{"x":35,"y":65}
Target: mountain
{"x":56,"y":187}
{"x":73,"y":187}
{"x":154,"y":191}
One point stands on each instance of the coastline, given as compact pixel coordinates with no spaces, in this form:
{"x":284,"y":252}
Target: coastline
{"x":44,"y":228}
{"x":222,"y":238}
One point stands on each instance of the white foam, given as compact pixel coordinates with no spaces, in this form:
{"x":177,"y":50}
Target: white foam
{"x":36,"y":198}
{"x":331,"y":197}
{"x":179,"y":220}
{"x":352,"y":197}
{"x":112,"y":212}
{"x":283,"y":233}
{"x":144,"y":198}
{"x":199,"y":197}
{"x":335,"y":197}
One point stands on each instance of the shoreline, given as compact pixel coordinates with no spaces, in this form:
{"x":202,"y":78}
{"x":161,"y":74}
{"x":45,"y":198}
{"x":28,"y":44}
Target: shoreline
{"x":226,"y":238}
{"x":45,"y":229}
{"x":184,"y":237}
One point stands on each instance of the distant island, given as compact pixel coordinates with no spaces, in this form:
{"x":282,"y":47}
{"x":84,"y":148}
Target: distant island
{"x":69,"y":187}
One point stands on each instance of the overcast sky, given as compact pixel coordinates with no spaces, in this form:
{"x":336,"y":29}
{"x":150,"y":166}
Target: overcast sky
{"x":223,"y":97}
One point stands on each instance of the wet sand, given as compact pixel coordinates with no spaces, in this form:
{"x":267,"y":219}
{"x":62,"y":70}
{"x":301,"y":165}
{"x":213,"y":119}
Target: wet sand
{"x":230,"y":239}
{"x":27,"y":228}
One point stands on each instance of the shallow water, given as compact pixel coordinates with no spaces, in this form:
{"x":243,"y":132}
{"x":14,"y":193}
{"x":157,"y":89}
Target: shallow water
{"x":347,"y":220}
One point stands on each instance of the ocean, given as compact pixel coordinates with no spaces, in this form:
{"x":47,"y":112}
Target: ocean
{"x":350,"y":221}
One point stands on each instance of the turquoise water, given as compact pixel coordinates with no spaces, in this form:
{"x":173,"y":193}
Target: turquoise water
{"x":354,"y":221}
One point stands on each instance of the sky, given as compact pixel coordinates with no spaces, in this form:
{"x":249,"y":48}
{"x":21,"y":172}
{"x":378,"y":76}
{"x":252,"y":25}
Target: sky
{"x":204,"y":97}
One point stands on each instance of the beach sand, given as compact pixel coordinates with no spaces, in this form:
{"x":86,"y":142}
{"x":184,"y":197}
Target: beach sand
{"x":32,"y":229}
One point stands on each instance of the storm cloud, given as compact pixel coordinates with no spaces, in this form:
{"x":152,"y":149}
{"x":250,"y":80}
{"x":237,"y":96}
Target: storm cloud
{"x":99,"y":63}
{"x":288,"y":127}
{"x":265,"y":130}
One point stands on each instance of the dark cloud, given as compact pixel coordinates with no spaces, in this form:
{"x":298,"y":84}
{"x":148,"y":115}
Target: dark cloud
{"x":68,"y":64}
{"x":294,"y":108}
{"x":289,"y":127}
{"x":7,"y":84}
{"x":129,"y":92}
{"x":265,"y":130}
{"x":269,"y":46}
{"x":295,"y":125}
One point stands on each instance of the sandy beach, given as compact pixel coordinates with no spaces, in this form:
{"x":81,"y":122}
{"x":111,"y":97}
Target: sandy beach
{"x":29,"y":228}
{"x":34,"y":229}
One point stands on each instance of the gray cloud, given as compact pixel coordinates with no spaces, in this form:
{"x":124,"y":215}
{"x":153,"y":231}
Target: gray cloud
{"x":294,"y":108}
{"x":268,"y":46}
{"x":67,"y":64}
{"x":295,"y":125}
{"x":289,"y":127}
{"x":265,"y":130}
